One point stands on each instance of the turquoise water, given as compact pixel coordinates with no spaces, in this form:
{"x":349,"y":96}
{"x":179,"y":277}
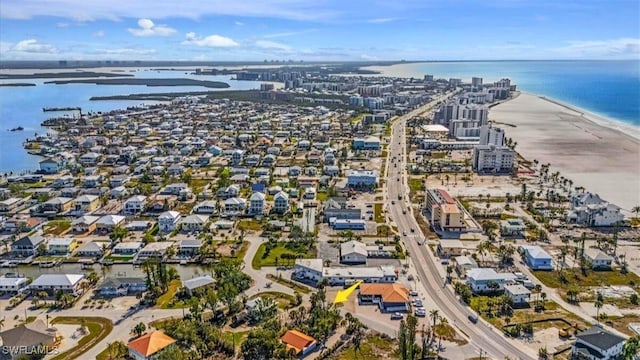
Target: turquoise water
{"x":607,"y":88}
{"x":22,"y":106}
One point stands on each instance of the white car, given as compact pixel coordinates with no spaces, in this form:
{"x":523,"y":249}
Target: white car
{"x":420,"y":312}
{"x":413,"y":293}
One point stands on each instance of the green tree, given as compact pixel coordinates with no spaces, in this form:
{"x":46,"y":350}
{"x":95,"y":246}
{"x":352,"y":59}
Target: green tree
{"x":265,"y":308}
{"x":262,"y":344}
{"x":117,"y":350}
{"x":139,"y":329}
{"x":631,"y":348}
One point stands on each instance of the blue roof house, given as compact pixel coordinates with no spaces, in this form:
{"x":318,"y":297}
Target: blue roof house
{"x":537,"y":258}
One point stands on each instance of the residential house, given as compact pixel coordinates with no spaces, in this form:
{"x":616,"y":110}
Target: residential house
{"x":155,"y":250}
{"x":389,"y":297}
{"x":135,"y":204}
{"x":168,"y":221}
{"x":83,"y":224}
{"x":369,"y":143}
{"x":12,"y":285}
{"x":347,"y":224}
{"x":353,"y":252}
{"x":93,"y":249}
{"x":193,"y":223}
{"x":598,"y":259}
{"x":480,"y":280}
{"x":122,"y":286}
{"x":590,"y":210}
{"x":196,"y":283}
{"x":23,"y":341}
{"x":536,"y":257}
{"x":450,"y":247}
{"x":62,"y":246}
{"x":207,"y":207}
{"x":118,"y":180}
{"x":331,"y":170}
{"x":234,"y":206}
{"x":519,"y":294}
{"x":308,"y":270}
{"x":27,"y":246}
{"x":597,"y":343}
{"x":51,"y":165}
{"x":128,"y":248}
{"x":257,"y":203}
{"x":147,"y":346}
{"x":109,"y":222}
{"x":189,"y":247}
{"x":362,"y":178}
{"x":90,"y":159}
{"x":229,"y":192}
{"x":281,"y":202}
{"x":87,"y":203}
{"x":57,"y":205}
{"x":514,"y":227}
{"x":336,"y":207}
{"x":68,"y":283}
{"x":299,"y":342}
{"x":463,"y":264}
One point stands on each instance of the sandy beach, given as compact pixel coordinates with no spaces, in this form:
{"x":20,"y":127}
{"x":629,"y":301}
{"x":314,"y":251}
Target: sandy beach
{"x":597,"y":153}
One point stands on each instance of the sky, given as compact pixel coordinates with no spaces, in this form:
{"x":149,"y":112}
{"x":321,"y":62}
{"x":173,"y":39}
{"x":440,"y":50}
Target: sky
{"x":317,"y":30}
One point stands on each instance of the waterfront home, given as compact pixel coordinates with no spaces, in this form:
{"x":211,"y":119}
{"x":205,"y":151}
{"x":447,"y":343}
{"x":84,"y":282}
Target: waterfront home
{"x":135,"y":204}
{"x":109,"y":222}
{"x":389,"y":297}
{"x":189,"y":247}
{"x":519,"y":294}
{"x":353,"y":252}
{"x":93,"y":249}
{"x":200,"y":282}
{"x":69,"y":283}
{"x":168,"y":221}
{"x":155,"y":249}
{"x":298,"y":342}
{"x":598,"y":259}
{"x":128,"y":248}
{"x":480,"y":279}
{"x":147,"y":346}
{"x":51,"y":165}
{"x":281,"y":202}
{"x":512,"y":227}
{"x":27,"y":246}
{"x":12,"y":285}
{"x":597,"y":343}
{"x":536,"y":257}
{"x":62,"y":246}
{"x":193,"y":223}
{"x":22,"y":223}
{"x":83,"y":224}
{"x":122,"y":286}
{"x":590,"y":210}
{"x":86,"y":203}
{"x":25,"y":340}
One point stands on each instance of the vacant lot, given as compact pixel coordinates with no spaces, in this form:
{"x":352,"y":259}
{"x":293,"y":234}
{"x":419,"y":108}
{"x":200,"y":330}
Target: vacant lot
{"x":593,"y":278}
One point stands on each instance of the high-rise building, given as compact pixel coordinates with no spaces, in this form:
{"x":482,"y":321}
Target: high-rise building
{"x":490,"y":155}
{"x":491,"y":135}
{"x":476,"y":81}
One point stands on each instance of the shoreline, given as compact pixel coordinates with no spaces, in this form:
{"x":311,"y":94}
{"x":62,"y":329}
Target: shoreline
{"x":593,"y":151}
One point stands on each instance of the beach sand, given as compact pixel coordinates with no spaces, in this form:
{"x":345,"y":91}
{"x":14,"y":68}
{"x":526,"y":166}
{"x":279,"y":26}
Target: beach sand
{"x":599,"y":154}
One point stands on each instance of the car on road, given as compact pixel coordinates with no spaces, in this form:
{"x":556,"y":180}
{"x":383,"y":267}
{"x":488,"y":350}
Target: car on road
{"x":404,"y":211}
{"x":413,"y":230}
{"x":473,"y":318}
{"x":420,"y":312}
{"x":393,"y":202}
{"x":397,"y":316}
{"x":413,"y":293}
{"x":404,"y":233}
{"x":398,"y":179}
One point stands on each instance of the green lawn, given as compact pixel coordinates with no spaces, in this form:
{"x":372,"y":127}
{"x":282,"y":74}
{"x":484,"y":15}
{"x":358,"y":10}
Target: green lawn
{"x":57,"y":227}
{"x":235,"y":337}
{"x":416,"y":185}
{"x":277,"y":252}
{"x":99,"y":328}
{"x":593,"y":278}
{"x":377,"y":213}
{"x":371,"y":348}
{"x":322,"y":196}
{"x":249,"y":224}
{"x":165,"y":301}
{"x":283,"y":300}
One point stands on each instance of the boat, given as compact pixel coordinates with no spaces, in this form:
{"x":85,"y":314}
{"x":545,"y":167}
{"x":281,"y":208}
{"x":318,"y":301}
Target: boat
{"x":19,"y":128}
{"x":11,"y":275}
{"x":183,"y":262}
{"x":48,"y":264}
{"x":8,"y":264}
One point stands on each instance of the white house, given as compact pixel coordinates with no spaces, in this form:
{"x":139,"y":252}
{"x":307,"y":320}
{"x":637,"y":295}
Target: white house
{"x":596,"y":343}
{"x":598,"y":259}
{"x":205,"y":207}
{"x":308,"y":269}
{"x":281,"y":202}
{"x":479,"y":280}
{"x":518,"y":293}
{"x":234,"y":206}
{"x":135,"y":204}
{"x":362,"y":178}
{"x":257,"y":203}
{"x":590,"y":210}
{"x":55,"y":282}
{"x":12,"y":284}
{"x":168,"y":221}
{"x":353,"y":252}
{"x":193,"y":222}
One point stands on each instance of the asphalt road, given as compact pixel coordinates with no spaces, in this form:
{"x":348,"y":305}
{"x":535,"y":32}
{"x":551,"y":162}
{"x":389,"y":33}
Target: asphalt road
{"x":482,"y":335}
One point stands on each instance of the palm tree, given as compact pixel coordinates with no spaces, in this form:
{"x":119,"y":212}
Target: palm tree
{"x":434,"y":314}
{"x":543,"y":296}
{"x":598,"y":305}
{"x":631,"y":348}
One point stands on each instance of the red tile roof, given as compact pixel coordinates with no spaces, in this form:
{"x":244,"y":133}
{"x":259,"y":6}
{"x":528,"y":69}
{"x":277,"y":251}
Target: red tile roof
{"x":151,"y":343}
{"x":296,"y":340}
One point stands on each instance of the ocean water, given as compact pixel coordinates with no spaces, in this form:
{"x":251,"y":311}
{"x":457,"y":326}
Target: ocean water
{"x":22,"y":106}
{"x":607,"y":88}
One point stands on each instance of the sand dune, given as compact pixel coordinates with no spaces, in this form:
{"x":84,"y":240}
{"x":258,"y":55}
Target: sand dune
{"x":601,"y":155}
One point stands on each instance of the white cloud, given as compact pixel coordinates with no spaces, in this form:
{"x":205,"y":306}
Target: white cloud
{"x":124,"y":51}
{"x":239,"y":23}
{"x":288,"y":33}
{"x":62,"y":25}
{"x":83,"y":10}
{"x":369,"y":57}
{"x":33,"y":46}
{"x":382,"y":20}
{"x":613,"y":48}
{"x":209,"y":41}
{"x":272,"y":45}
{"x":148,"y":28}
{"x":99,"y":33}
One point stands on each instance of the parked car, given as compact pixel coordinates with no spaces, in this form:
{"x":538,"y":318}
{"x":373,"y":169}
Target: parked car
{"x":417,"y":303}
{"x":420,"y":312}
{"x":413,"y":293}
{"x":396,"y":316}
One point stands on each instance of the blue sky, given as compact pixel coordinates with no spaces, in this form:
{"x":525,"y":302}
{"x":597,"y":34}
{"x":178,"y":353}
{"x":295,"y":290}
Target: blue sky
{"x":319,"y":29}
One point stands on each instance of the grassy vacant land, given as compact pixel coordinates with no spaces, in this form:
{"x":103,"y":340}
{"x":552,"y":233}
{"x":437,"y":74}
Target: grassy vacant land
{"x":57,"y":227}
{"x":284,"y":301}
{"x":276,"y":253}
{"x":447,"y":332}
{"x":415,"y":185}
{"x":622,"y":323}
{"x":289,"y":283}
{"x":377,"y":213}
{"x":322,"y":196}
{"x":166,"y":300}
{"x":593,"y":278}
{"x":373,"y":347}
{"x":98,"y":327}
{"x":249,"y":224}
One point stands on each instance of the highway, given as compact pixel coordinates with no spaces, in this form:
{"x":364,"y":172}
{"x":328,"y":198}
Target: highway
{"x":482,"y":335}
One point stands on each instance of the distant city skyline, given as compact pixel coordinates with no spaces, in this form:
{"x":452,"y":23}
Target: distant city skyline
{"x":191,"y":30}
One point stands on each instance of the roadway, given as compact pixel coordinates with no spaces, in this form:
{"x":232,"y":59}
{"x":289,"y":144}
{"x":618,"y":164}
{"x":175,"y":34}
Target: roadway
{"x":482,"y":335}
